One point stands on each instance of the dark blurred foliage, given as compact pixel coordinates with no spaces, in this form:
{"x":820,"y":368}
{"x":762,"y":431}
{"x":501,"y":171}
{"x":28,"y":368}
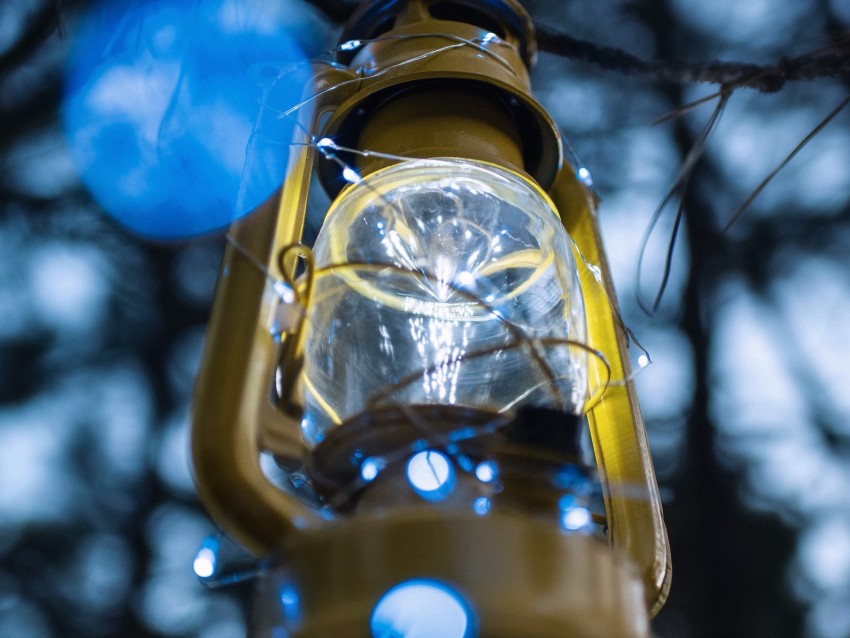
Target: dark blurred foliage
{"x":746,"y":403}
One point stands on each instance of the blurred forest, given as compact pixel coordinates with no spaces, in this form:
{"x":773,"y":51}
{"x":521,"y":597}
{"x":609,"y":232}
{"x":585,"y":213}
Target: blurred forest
{"x":746,"y":403}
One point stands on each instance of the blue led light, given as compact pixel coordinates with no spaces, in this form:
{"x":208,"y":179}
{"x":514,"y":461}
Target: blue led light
{"x":290,"y":602}
{"x":206,"y":560}
{"x":168,"y":104}
{"x":204,"y":563}
{"x":486,"y":471}
{"x":350,"y":175}
{"x":421,"y":609}
{"x":481,"y":505}
{"x":584,"y":177}
{"x":350,"y":45}
{"x":575,"y":518}
{"x":431,"y":474}
{"x":370,"y":468}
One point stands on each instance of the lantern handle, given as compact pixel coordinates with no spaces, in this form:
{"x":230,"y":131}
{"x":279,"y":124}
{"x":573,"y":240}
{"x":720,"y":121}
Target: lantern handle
{"x":235,"y":418}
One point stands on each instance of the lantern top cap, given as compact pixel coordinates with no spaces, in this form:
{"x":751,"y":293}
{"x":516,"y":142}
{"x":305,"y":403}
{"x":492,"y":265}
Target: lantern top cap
{"x":507,"y":19}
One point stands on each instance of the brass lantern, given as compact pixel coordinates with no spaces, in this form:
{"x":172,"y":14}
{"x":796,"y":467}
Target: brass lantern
{"x":425,"y":373}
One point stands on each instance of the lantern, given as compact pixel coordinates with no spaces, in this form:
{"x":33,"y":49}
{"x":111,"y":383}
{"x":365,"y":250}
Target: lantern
{"x":441,"y":379}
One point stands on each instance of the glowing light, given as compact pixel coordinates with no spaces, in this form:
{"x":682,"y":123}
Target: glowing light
{"x":486,"y":471}
{"x":326,"y":142}
{"x":431,"y":474}
{"x":350,"y":175}
{"x":161,"y":110}
{"x":285,"y":312}
{"x":643,"y":361}
{"x":291,"y":602}
{"x":204,"y":563}
{"x":288,"y":595}
{"x":370,"y":468}
{"x":421,"y":609}
{"x":575,"y":518}
{"x":350,"y":45}
{"x":489,"y":37}
{"x":481,"y":505}
{"x":284,"y":292}
{"x":584,"y":176}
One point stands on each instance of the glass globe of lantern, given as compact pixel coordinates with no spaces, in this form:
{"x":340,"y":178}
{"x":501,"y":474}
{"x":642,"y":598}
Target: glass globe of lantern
{"x":447,"y":282}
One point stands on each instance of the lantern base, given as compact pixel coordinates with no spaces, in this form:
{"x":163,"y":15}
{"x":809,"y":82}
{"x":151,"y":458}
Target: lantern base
{"x":497,"y":575}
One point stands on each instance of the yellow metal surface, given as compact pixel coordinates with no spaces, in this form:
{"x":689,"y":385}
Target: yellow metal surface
{"x":234,"y":418}
{"x":428,"y":57}
{"x":633,"y":505}
{"x":507,"y":17}
{"x":520,"y":577}
{"x":428,"y":123}
{"x":558,"y":577}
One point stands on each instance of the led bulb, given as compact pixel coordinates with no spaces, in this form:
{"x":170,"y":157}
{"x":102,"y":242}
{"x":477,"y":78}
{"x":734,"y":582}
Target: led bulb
{"x":442,"y":282}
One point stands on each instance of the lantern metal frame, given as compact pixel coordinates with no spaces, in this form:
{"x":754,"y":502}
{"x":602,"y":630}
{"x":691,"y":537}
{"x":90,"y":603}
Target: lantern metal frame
{"x":377,"y":97}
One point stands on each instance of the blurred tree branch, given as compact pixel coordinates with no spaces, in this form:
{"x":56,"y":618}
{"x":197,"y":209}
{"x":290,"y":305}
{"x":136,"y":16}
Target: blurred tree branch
{"x":829,"y":62}
{"x":39,"y":27}
{"x":335,"y":10}
{"x":41,"y":24}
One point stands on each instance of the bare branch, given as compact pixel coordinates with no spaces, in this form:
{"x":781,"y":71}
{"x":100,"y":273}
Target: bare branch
{"x":679,"y":187}
{"x":743,"y":207}
{"x":767,"y":79}
{"x":40,"y":26}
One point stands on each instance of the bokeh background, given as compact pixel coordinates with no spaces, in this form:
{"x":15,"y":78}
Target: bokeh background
{"x":747,"y":402}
